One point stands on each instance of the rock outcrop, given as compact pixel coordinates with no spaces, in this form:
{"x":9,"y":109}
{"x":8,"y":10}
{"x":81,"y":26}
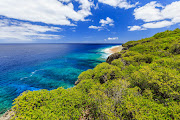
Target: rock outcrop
{"x":103,"y":79}
{"x":77,"y":82}
{"x":8,"y":115}
{"x":113,"y":57}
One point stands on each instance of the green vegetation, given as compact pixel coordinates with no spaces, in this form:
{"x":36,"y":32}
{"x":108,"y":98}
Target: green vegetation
{"x":143,"y":84}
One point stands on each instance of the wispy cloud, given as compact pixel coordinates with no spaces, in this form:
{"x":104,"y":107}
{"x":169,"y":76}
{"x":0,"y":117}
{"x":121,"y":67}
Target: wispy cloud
{"x":119,"y":3}
{"x":95,"y":27}
{"x":15,"y":31}
{"x":111,"y":38}
{"x":133,"y":28}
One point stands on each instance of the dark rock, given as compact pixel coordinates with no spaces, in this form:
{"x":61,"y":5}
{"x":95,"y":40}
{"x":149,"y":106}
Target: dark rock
{"x":123,"y":51}
{"x":113,"y":76}
{"x":146,"y":41}
{"x":132,"y":45}
{"x":129,"y":46}
{"x":125,"y":48}
{"x":77,"y":82}
{"x":176,"y":49}
{"x":113,"y":57}
{"x":166,"y":48}
{"x":103,"y":79}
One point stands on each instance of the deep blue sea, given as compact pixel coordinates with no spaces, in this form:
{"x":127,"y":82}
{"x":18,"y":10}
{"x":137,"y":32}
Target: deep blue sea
{"x":44,"y":66}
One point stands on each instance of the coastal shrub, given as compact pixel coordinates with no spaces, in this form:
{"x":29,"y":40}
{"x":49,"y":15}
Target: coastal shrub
{"x":162,"y":34}
{"x":175,"y":48}
{"x":137,"y":59}
{"x":118,"y":63}
{"x":135,"y":106}
{"x":129,"y":43}
{"x":86,"y":85}
{"x":109,"y":72}
{"x":159,"y":47}
{"x":173,"y":63}
{"x":163,"y":82}
{"x":55,"y":104}
{"x":166,"y":33}
{"x":86,"y":75}
{"x":143,"y":84}
{"x":143,"y":58}
{"x":130,"y":54}
{"x":107,"y":97}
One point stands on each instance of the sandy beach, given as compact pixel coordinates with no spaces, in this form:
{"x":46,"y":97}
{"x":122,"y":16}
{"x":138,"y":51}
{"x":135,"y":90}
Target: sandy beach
{"x":113,"y":49}
{"x":116,"y":49}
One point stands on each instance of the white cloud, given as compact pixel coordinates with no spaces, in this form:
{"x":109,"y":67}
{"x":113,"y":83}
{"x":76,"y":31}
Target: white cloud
{"x":46,"y":11}
{"x":94,"y":27}
{"x":107,"y":21}
{"x":176,"y":20}
{"x":133,"y":28}
{"x":64,"y":0}
{"x":13,"y":31}
{"x":157,"y":24}
{"x":119,"y":3}
{"x":96,"y":6}
{"x":171,"y":11}
{"x":156,"y":15}
{"x":99,"y":28}
{"x":104,"y":23}
{"x":112,"y":38}
{"x":149,"y":12}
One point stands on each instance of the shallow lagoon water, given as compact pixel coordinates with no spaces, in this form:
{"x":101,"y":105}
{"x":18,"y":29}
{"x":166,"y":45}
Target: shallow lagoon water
{"x":44,"y":66}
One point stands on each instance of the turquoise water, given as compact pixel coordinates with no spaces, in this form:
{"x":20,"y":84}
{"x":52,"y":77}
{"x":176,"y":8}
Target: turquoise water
{"x":43,"y":66}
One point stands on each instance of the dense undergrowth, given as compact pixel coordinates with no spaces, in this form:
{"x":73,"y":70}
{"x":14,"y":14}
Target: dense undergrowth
{"x":144,"y":83}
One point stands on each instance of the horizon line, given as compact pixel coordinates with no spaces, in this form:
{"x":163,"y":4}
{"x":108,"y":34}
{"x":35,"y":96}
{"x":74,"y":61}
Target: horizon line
{"x":61,"y":43}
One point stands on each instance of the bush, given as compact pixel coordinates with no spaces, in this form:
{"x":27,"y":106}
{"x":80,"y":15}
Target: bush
{"x":107,"y":72}
{"x":55,"y":104}
{"x":163,"y":82}
{"x":118,"y":63}
{"x":175,"y":48}
{"x":86,"y":75}
{"x":143,"y":84}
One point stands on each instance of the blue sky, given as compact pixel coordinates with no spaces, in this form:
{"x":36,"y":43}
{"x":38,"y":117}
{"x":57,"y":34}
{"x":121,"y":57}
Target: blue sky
{"x":85,"y":21}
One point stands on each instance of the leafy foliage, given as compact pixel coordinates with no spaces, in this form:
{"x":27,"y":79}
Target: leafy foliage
{"x":143,"y":84}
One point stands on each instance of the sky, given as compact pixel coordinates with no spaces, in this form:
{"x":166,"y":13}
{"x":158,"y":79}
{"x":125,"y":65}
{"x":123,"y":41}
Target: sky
{"x":85,"y":21}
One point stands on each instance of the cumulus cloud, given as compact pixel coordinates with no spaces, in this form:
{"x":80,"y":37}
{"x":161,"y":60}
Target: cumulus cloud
{"x":13,"y":31}
{"x":107,"y":21}
{"x":119,"y":3}
{"x":58,"y":12}
{"x":155,"y":15}
{"x":104,"y":23}
{"x":149,"y":12}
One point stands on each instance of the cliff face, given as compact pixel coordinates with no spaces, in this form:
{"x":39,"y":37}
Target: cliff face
{"x":113,"y":57}
{"x":140,"y":82}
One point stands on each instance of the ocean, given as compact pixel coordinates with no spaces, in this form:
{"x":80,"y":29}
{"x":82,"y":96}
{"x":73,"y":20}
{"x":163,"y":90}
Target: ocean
{"x":44,"y":66}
